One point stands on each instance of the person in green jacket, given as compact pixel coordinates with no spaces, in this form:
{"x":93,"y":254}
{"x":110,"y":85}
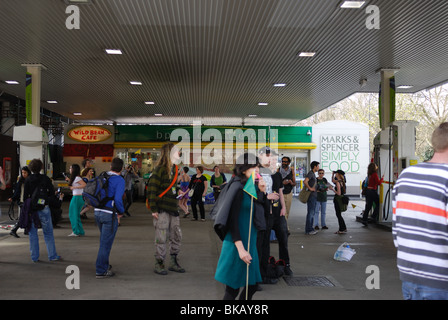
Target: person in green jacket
{"x":164,"y":210}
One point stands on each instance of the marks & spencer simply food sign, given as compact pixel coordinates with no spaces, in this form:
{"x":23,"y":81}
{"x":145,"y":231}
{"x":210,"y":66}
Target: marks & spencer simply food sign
{"x":340,"y":152}
{"x":89,"y":134}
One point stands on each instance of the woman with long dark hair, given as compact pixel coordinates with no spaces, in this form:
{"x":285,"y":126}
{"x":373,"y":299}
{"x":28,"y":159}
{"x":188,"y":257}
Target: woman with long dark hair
{"x":372,"y":193}
{"x":77,"y":185}
{"x":237,"y":252}
{"x":18,"y":196}
{"x":338,"y":179}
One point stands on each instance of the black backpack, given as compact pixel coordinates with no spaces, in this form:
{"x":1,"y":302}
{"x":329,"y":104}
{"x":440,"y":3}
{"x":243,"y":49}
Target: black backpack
{"x":95,"y":191}
{"x":40,"y":196}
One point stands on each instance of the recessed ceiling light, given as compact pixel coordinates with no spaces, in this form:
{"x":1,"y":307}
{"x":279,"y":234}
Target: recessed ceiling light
{"x":262,"y":103}
{"x":135,"y":83}
{"x":158,"y":114}
{"x":279,"y":84}
{"x":352,"y":4}
{"x":150,"y":102}
{"x":77,"y":113}
{"x":404,"y":87}
{"x":77,"y":1}
{"x":307,"y":54}
{"x":113,"y":51}
{"x":11,"y":82}
{"x":52,"y":101}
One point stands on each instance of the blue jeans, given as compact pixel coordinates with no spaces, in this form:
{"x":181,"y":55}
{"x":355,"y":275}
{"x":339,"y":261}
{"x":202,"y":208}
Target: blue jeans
{"x":320,"y":205}
{"x":108,"y":225}
{"x":412,"y":291}
{"x":311,"y":207}
{"x":47,"y":229}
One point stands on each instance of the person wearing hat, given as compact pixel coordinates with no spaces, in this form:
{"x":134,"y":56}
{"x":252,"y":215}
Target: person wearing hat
{"x":275,"y":211}
{"x":310,"y":183}
{"x":338,"y":179}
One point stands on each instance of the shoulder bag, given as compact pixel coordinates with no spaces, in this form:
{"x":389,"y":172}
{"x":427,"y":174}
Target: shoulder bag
{"x":304,"y":195}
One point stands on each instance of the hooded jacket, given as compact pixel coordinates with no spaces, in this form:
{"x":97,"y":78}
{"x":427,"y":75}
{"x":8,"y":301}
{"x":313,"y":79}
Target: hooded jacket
{"x":227,"y":203}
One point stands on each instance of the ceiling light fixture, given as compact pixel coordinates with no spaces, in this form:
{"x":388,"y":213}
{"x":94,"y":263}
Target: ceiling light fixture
{"x":150,"y":102}
{"x":52,"y":101}
{"x":11,"y":82}
{"x":405,"y":87}
{"x":307,"y":54}
{"x":135,"y":83}
{"x":279,"y":84}
{"x":77,"y":113}
{"x":252,"y":115}
{"x":158,"y":114}
{"x":352,"y":4}
{"x":262,"y":103}
{"x":113,"y":51}
{"x":77,"y":1}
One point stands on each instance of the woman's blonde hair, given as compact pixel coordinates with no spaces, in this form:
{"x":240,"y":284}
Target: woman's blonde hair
{"x":165,"y":157}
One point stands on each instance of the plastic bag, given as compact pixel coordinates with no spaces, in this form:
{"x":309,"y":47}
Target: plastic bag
{"x":344,"y":252}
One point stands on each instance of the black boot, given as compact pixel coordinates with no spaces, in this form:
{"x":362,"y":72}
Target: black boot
{"x":14,"y":231}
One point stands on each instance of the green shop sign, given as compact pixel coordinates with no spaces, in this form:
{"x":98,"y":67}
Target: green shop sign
{"x":160,"y":133}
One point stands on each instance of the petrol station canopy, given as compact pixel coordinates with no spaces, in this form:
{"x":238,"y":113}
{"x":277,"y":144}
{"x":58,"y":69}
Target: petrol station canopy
{"x":226,"y":62}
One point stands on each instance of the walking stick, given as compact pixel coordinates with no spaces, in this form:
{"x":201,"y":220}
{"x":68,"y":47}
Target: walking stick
{"x":248,"y":244}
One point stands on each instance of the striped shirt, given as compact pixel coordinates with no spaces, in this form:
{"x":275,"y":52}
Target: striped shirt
{"x":420,"y":224}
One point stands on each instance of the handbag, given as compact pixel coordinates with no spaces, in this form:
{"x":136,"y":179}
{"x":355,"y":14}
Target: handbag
{"x":304,"y":194}
{"x":191,"y":192}
{"x":163,"y":193}
{"x":11,"y":211}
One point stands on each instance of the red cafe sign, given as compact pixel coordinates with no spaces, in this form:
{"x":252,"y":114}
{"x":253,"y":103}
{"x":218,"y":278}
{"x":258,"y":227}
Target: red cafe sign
{"x":89,"y":134}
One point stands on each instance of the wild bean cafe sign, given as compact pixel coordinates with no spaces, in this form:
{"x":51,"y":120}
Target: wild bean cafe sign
{"x":340,"y":152}
{"x":89,"y":134}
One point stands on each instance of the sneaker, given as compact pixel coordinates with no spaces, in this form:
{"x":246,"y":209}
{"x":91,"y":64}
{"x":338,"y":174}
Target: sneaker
{"x":312,"y":233}
{"x":324,"y":228}
{"x":58,"y":258}
{"x":316,"y":228}
{"x":107,"y":274}
{"x":288,"y":271}
{"x":73,"y":235}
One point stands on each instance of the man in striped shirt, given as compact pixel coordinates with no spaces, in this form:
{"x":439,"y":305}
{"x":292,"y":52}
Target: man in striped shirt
{"x":420,"y":224}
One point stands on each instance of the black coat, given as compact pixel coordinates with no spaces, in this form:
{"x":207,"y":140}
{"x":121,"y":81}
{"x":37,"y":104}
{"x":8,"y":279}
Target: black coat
{"x":230,"y":201}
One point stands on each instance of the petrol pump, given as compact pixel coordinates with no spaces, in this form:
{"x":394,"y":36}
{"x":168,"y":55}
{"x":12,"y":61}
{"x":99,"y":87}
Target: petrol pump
{"x":394,"y":150}
{"x":33,"y":144}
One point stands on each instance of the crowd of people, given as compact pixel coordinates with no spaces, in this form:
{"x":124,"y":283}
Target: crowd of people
{"x":244,"y":220}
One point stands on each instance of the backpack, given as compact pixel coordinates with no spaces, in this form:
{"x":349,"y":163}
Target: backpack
{"x":365,"y":184}
{"x":95,"y":191}
{"x":39,"y":198}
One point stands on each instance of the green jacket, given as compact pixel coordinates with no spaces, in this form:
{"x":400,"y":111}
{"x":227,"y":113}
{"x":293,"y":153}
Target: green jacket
{"x":159,"y":181}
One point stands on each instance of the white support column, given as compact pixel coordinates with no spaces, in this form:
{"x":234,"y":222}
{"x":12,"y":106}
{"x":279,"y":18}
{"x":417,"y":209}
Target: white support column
{"x":387,"y":97}
{"x":33,"y":92}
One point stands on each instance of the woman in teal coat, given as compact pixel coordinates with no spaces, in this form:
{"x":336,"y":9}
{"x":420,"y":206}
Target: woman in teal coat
{"x":234,"y":258}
